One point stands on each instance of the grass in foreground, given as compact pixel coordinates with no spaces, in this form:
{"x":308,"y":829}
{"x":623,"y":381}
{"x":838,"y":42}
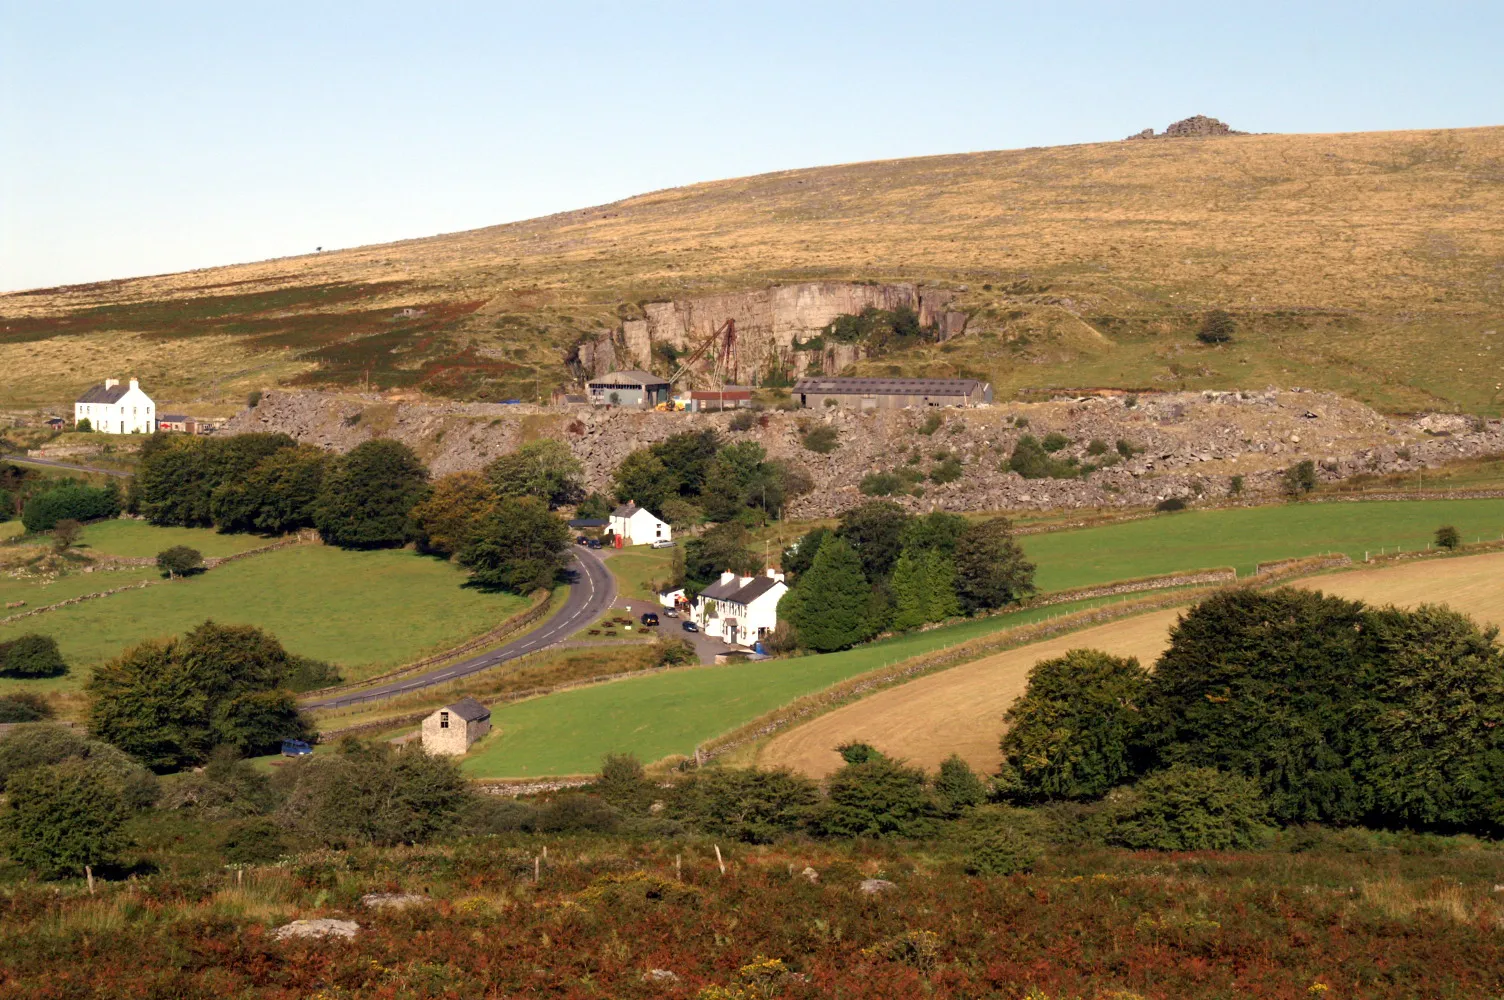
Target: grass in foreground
{"x":1242,"y":537}
{"x":670,"y":713}
{"x":366,"y":611}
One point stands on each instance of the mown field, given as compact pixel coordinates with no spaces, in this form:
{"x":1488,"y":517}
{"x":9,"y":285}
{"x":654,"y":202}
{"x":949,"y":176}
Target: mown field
{"x":1243,"y":537}
{"x":1079,"y":265}
{"x":960,"y":710}
{"x":365,"y":611}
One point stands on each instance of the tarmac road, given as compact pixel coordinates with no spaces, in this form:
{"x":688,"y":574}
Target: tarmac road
{"x":63,"y":465}
{"x":591,"y":594}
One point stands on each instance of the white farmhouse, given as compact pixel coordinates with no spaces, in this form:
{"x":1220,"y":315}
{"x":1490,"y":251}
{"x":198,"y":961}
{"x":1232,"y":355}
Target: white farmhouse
{"x":116,"y":409}
{"x":740,"y":609}
{"x":635,"y":525}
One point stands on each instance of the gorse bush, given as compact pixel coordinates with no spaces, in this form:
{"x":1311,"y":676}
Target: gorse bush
{"x":1186,"y":809}
{"x":957,"y":786}
{"x":373,"y":795}
{"x":876,"y":798}
{"x":996,"y":849}
{"x":751,"y":805}
{"x":24,"y":706}
{"x":822,"y":439}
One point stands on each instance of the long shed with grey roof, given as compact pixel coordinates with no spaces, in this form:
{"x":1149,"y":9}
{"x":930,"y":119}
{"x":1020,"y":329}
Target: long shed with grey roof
{"x":892,"y":393}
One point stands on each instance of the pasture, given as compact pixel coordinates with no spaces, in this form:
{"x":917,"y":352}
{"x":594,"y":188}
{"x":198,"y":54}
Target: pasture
{"x":960,"y":710}
{"x":365,"y":611}
{"x":672,"y":712}
{"x":1242,"y":537}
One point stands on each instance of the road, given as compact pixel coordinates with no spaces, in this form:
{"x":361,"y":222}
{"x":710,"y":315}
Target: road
{"x":591,"y":593}
{"x":63,"y":465}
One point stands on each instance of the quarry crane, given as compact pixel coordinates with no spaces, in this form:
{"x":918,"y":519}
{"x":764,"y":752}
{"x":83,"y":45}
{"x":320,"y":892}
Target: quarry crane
{"x":727,"y":334}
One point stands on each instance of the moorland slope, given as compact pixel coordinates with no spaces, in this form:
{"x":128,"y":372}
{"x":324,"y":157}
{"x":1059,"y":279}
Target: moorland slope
{"x":1367,"y":264}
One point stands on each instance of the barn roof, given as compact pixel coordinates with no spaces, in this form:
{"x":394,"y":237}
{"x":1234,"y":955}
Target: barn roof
{"x":469,"y":709}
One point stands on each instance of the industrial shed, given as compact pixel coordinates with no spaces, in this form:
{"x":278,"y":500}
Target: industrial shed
{"x":628,"y":388}
{"x":892,"y":393}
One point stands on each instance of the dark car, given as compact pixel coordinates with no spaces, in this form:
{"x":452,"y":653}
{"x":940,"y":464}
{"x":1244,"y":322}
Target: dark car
{"x":648,"y":618}
{"x":582,"y":540}
{"x":594,"y":543}
{"x":689,"y":626}
{"x":296,"y":748}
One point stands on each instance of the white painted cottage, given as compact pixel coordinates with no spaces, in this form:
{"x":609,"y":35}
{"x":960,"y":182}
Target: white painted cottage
{"x":740,"y":609}
{"x":116,"y":409}
{"x":636,"y":525}
{"x":453,"y":728}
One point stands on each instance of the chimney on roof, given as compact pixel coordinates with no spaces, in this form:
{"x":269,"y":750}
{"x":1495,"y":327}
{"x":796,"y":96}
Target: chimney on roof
{"x":727,"y":576}
{"x":110,"y":383}
{"x":135,"y":384}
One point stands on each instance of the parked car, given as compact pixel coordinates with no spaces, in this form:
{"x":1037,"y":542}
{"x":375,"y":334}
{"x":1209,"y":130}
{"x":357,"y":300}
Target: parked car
{"x":594,"y":543}
{"x":296,"y":748}
{"x":648,"y":618}
{"x":582,"y":540}
{"x":663,"y":543}
{"x":671,"y":613}
{"x":689,"y":626}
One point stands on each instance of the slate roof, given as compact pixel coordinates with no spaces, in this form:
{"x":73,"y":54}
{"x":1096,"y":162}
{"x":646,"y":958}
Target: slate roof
{"x":630,"y":377}
{"x":890,"y":386}
{"x":99,"y":394}
{"x":734,"y":591}
{"x":469,"y":709}
{"x":171,"y":418}
{"x":626,"y":510}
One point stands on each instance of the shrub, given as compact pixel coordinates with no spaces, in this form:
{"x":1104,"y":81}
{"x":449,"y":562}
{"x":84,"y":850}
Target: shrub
{"x":947,"y":471}
{"x":883,"y":484}
{"x":1054,"y":441}
{"x":1032,"y":461}
{"x":623,"y":785}
{"x":858,"y":752}
{"x":822,"y":440}
{"x":31,"y":655}
{"x":70,"y":501}
{"x":1020,"y":422}
{"x":84,"y":425}
{"x":672,"y":651}
{"x":24,"y":706}
{"x":180,"y":560}
{"x":1097,"y":447}
{"x":254,"y":841}
{"x":931,"y":424}
{"x":65,"y":534}
{"x":253,"y":399}
{"x":374,"y":795}
{"x":1071,"y":735}
{"x":1447,"y":537}
{"x":877,"y":798}
{"x":1169,"y":505}
{"x":1217,"y":328}
{"x":226,"y":788}
{"x":1186,"y":809}
{"x":752,"y":805}
{"x":307,"y":674}
{"x":997,"y":850}
{"x":1300,"y":478}
{"x":831,"y":401}
{"x":67,"y":816}
{"x":1125,"y":449}
{"x":957,"y":786}
{"x":1235,"y":485}
{"x":742,"y":420}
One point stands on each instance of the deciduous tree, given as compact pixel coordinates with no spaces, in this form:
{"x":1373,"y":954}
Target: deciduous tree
{"x":367,"y":495}
{"x":545,"y":469}
{"x":991,"y":570}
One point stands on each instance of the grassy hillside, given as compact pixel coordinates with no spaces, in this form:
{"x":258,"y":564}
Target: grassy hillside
{"x":1364,"y":263}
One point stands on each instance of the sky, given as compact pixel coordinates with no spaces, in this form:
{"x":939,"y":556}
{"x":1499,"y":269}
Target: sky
{"x":142,"y":138}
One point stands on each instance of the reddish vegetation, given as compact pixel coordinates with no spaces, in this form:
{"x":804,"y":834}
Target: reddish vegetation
{"x":1088,"y":925}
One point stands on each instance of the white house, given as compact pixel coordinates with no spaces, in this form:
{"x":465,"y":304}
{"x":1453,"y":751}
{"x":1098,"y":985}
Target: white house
{"x":636,"y":525}
{"x":117,"y":409}
{"x":740,"y":609}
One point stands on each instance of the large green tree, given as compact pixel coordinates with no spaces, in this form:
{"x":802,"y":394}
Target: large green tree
{"x":1072,"y":734}
{"x":275,"y":497}
{"x":519,"y":547}
{"x":176,"y":479}
{"x":454,"y":513}
{"x":800,"y":556}
{"x":724,"y":547}
{"x":169,"y":703}
{"x":991,"y":570}
{"x":367,"y":495}
{"x":875,"y":530}
{"x":642,"y":478}
{"x":830,"y":607}
{"x":545,"y":469}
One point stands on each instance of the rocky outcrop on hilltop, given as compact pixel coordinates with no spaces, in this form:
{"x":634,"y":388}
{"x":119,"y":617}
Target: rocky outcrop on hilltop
{"x":1194,"y":127}
{"x":1187,"y":445}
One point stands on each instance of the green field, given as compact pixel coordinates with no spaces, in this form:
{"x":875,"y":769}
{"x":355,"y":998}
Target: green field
{"x":638,"y":565}
{"x":139,"y":540}
{"x":366,"y":611}
{"x":669,"y":713}
{"x":1243,"y":537}
{"x":37,"y":594}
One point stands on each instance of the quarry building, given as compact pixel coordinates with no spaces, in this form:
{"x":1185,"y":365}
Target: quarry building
{"x":892,"y":393}
{"x":628,"y":388}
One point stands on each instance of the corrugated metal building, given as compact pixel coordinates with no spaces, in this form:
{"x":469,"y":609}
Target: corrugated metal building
{"x":892,"y":393}
{"x":628,"y":388}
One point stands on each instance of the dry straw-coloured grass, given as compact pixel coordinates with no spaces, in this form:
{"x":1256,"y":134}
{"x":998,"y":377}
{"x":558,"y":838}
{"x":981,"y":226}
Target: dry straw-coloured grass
{"x":960,"y":710}
{"x":1365,"y":262}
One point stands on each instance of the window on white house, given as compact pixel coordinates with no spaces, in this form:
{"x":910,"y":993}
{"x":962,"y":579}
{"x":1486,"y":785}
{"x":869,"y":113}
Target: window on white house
{"x":443,"y":720}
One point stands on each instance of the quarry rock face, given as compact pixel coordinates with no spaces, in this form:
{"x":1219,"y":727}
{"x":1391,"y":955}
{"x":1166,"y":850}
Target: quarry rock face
{"x":1194,"y":127}
{"x":770,"y":323}
{"x":1182,"y":444}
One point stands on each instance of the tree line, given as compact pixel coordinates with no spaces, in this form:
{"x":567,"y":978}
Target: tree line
{"x":694,"y":477}
{"x":1286,"y":705}
{"x":882,"y":568}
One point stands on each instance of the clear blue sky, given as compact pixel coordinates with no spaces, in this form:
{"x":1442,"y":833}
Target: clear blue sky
{"x":138,"y":138}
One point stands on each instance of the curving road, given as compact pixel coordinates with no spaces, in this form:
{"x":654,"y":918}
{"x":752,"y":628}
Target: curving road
{"x":591,"y":593}
{"x":69,"y":466}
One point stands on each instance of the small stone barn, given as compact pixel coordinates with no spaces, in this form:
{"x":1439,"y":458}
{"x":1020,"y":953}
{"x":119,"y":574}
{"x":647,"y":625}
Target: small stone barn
{"x":453,"y":728}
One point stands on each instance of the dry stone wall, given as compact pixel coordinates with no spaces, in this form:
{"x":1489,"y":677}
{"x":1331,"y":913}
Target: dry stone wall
{"x":1187,"y":445}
